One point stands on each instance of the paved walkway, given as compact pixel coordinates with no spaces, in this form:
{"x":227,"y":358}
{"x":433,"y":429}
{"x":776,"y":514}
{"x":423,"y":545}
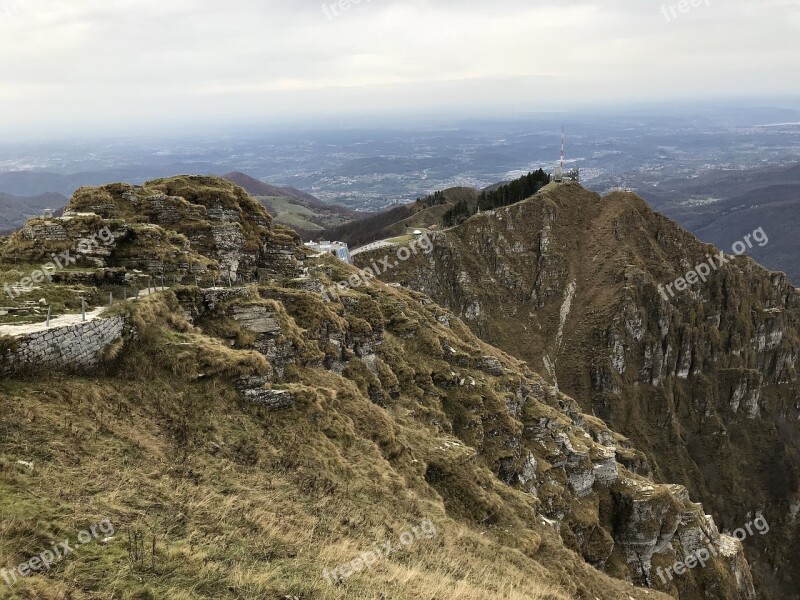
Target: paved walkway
{"x":63,"y":320}
{"x":372,"y":246}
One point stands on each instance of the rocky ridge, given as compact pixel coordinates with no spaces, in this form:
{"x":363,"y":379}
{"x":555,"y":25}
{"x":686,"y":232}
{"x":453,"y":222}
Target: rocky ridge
{"x":488,"y":443}
{"x":705,"y":383}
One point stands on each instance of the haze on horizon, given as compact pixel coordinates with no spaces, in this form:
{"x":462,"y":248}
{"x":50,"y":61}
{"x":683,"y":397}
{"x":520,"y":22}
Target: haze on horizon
{"x":94,"y":65}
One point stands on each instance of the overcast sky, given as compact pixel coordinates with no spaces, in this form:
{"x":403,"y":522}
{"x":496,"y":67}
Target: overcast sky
{"x":105,"y":63}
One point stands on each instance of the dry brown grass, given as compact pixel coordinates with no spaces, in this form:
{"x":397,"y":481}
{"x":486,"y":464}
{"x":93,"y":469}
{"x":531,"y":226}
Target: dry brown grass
{"x":259,"y":518}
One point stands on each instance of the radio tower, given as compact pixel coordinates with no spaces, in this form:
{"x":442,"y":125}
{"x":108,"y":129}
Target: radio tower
{"x":558,"y":176}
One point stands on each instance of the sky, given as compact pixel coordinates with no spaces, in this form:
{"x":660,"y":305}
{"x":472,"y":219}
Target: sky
{"x":128,"y":64}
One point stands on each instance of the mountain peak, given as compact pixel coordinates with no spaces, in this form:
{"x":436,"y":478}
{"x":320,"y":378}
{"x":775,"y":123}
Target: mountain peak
{"x":691,"y":351}
{"x":390,"y":395}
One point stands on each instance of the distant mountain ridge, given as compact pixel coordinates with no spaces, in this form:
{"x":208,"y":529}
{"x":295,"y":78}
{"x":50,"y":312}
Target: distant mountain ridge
{"x":721,"y":205}
{"x":308,"y":215}
{"x":14,"y":210}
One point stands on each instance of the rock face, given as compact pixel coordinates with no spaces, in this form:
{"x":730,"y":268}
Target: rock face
{"x":257,"y":390}
{"x":585,"y":480}
{"x":44,"y":230}
{"x":180,"y":226}
{"x":705,"y":382}
{"x":502,"y":449}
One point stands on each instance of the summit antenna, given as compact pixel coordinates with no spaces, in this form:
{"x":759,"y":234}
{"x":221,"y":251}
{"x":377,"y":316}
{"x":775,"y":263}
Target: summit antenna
{"x":561,"y":176}
{"x":558,"y":176}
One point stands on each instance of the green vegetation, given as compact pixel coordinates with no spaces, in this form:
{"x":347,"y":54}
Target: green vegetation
{"x":456,"y":215}
{"x":510,"y":193}
{"x":514,"y":192}
{"x":292,"y":214}
{"x":436,"y":199}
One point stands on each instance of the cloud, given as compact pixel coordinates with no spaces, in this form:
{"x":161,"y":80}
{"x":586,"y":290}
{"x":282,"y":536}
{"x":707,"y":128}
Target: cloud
{"x":161,"y":60}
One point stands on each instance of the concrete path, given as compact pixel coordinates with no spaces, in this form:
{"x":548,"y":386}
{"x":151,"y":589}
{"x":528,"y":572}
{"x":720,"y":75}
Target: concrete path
{"x":63,"y":320}
{"x":373,"y":246}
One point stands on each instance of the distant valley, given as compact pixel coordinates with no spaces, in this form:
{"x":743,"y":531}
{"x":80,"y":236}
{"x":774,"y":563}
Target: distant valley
{"x":720,"y":206}
{"x":707,"y":170}
{"x":14,"y":210}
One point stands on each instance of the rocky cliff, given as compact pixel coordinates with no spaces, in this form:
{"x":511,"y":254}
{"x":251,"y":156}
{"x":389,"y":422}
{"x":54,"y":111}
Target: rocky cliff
{"x":703,"y":381}
{"x":260,"y":433}
{"x":178,"y":227}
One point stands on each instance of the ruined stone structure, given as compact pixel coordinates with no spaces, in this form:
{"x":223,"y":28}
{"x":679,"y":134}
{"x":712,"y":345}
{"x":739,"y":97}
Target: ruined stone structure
{"x":71,"y":347}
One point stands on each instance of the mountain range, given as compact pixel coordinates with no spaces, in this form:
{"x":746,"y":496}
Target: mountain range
{"x":521,"y":393}
{"x":14,"y":210}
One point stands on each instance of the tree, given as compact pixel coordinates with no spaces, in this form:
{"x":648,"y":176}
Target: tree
{"x":513,"y":192}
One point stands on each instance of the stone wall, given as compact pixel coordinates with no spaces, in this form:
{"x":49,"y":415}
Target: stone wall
{"x":44,"y":230}
{"x":73,"y":346}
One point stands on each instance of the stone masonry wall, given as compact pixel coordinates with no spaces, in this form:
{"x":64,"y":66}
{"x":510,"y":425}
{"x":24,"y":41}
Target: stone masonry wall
{"x":73,"y":346}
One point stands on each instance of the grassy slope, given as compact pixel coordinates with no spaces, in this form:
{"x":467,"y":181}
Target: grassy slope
{"x":257,"y":520}
{"x":288,"y":212}
{"x":294,"y":208}
{"x":245,"y":503}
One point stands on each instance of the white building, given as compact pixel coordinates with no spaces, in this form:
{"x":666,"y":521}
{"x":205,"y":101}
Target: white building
{"x":560,"y":175}
{"x":338,"y":249}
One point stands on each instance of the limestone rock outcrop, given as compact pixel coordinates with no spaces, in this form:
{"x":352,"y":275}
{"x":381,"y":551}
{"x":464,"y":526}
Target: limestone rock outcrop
{"x":705,"y":382}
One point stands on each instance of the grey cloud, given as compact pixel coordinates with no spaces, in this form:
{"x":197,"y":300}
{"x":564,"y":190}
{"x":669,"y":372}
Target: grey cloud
{"x":90,"y":60}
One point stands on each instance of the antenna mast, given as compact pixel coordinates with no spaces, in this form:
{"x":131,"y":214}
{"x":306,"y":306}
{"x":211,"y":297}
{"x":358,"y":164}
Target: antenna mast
{"x":562,"y":147}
